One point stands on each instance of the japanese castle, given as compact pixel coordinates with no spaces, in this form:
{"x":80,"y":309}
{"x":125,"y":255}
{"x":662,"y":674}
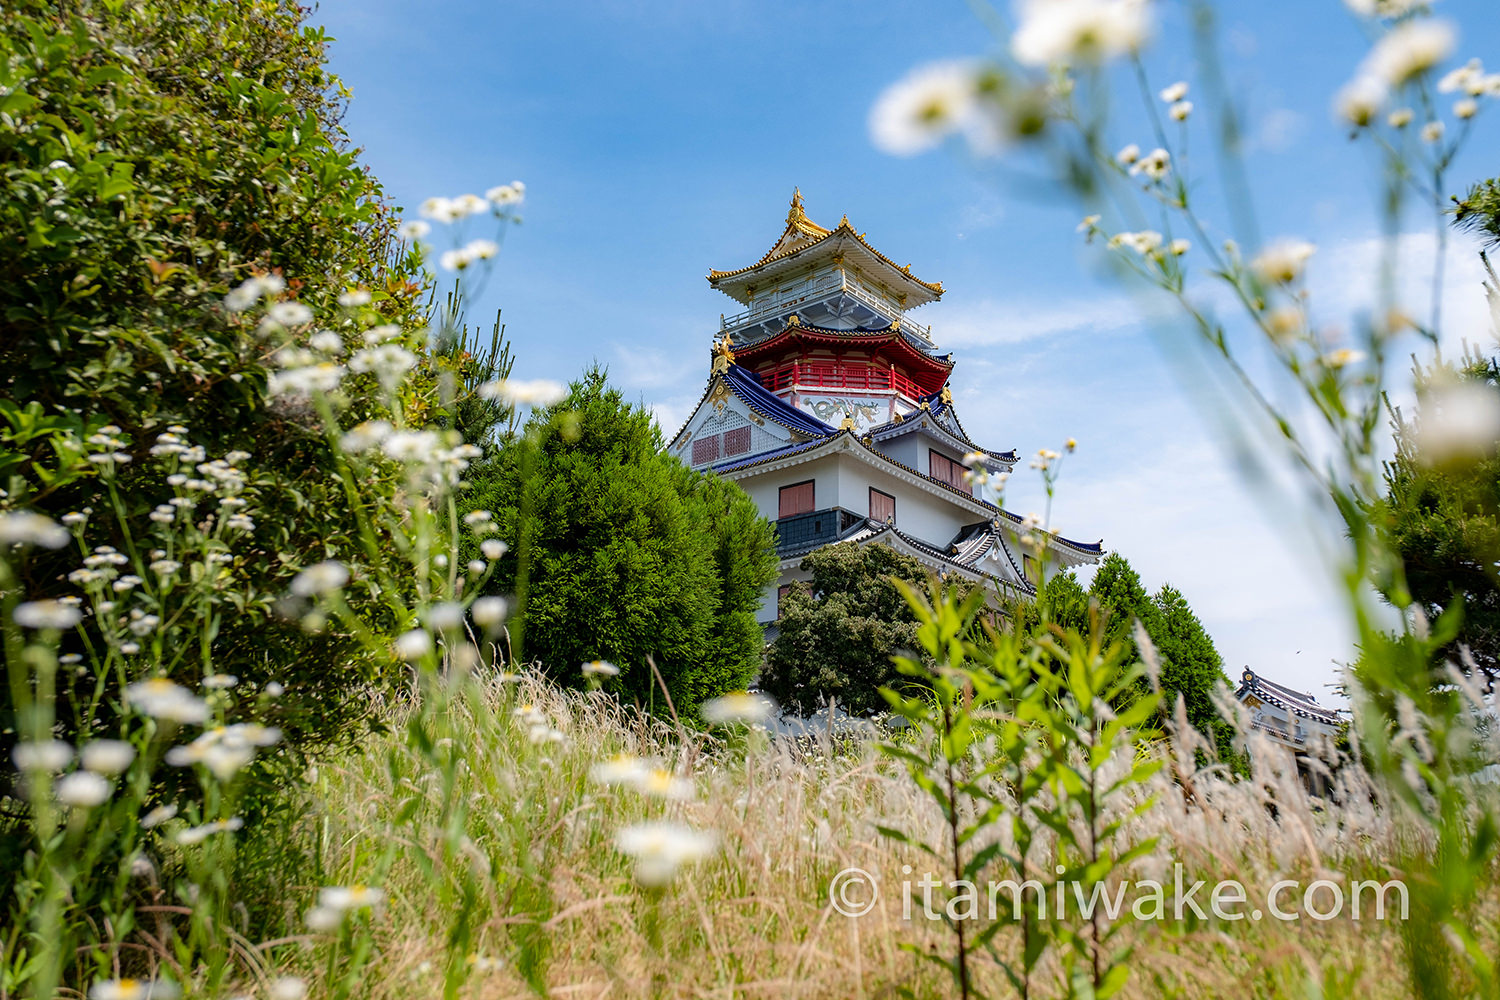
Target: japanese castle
{"x":831,"y":408}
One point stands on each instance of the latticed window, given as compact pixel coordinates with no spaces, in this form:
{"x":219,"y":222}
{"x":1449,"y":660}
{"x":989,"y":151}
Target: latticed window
{"x":882,"y":506}
{"x":737,"y":441}
{"x":796,"y":499}
{"x":705,"y":449}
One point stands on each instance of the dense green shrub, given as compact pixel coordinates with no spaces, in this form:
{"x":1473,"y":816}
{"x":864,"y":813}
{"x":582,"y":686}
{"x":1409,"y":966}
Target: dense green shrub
{"x":629,"y":554}
{"x":838,"y":636}
{"x":155,"y":155}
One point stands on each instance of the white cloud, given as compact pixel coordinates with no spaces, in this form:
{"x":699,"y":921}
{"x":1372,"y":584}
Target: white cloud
{"x":986,"y":323}
{"x":637,"y":367}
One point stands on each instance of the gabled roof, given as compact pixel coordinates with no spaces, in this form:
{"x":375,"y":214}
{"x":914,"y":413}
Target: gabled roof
{"x":1295,"y":702}
{"x":802,"y":234}
{"x":746,"y":386}
{"x":965,"y":560}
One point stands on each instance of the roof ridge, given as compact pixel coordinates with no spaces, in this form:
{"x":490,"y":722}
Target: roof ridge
{"x":796,"y":219}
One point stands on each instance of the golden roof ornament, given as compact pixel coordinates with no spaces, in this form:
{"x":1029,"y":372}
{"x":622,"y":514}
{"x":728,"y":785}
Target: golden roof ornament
{"x":849,"y":425}
{"x":945,"y":396}
{"x":794,"y":320}
{"x":796,"y":214}
{"x":723,"y":356}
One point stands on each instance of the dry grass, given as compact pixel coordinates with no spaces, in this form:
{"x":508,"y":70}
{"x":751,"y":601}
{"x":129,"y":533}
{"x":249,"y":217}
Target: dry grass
{"x":556,"y":903}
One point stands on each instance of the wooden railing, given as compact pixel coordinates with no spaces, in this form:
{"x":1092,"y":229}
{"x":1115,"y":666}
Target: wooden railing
{"x":835,"y":375}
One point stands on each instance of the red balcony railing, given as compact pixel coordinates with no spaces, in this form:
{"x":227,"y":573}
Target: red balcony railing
{"x":836,"y":375}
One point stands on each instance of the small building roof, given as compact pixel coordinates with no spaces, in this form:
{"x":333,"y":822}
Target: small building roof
{"x":804,"y":241}
{"x":1297,"y":703}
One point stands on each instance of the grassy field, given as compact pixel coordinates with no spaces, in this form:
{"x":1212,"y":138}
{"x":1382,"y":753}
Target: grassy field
{"x":519,"y":837}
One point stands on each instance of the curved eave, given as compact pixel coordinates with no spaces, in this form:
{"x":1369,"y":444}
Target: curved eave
{"x":889,"y":336}
{"x":1091,"y":550}
{"x":731,"y":282}
{"x":1295,"y":702}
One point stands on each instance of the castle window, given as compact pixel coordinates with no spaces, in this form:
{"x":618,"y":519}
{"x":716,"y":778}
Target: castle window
{"x":882,"y":506}
{"x":796,"y":499}
{"x":737,"y":441}
{"x":706,"y":449}
{"x":946,"y":470}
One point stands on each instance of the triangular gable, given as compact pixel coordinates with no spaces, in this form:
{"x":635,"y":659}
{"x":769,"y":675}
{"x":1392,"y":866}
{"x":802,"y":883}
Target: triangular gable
{"x":736,"y":418}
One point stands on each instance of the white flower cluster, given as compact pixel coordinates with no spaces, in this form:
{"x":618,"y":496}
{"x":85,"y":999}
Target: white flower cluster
{"x":27,"y":528}
{"x":109,"y":443}
{"x":661,"y":848}
{"x":1065,"y":32}
{"x":335,"y":903}
{"x":469,"y":253}
{"x":1405,"y":53}
{"x":519,"y":392}
{"x":1154,"y":165}
{"x":224,"y":750}
{"x":100,"y":762}
{"x":932,"y":103}
{"x":445,"y":210}
{"x":251,"y":290}
{"x":644,"y":776}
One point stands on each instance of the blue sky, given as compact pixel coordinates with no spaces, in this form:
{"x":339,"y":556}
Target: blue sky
{"x":659,"y":138}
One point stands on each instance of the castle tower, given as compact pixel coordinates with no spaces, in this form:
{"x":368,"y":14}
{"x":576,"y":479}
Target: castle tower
{"x":831,"y":408}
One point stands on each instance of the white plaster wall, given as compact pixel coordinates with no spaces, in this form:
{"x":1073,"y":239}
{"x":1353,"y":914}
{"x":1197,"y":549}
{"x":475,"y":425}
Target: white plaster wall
{"x":765,"y":488}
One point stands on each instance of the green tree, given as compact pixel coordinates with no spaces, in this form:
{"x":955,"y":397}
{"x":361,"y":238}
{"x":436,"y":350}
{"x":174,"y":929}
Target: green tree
{"x":839,"y":635}
{"x":1478,"y":211}
{"x":1061,"y":601}
{"x":629,"y":555}
{"x":1443,"y":519}
{"x":1122,"y":601}
{"x":156,"y":154}
{"x":1190,"y":666}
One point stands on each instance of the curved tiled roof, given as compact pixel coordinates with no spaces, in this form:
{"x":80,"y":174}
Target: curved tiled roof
{"x":734,"y":464}
{"x":890,"y":332}
{"x":798,"y":224}
{"x":1295,"y":702}
{"x":872,"y":532}
{"x":744,"y":384}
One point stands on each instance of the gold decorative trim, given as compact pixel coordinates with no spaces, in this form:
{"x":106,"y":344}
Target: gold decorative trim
{"x":723,"y":357}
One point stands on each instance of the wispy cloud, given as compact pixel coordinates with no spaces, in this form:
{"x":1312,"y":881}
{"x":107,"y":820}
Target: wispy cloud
{"x":648,"y":368}
{"x":988,"y":323}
